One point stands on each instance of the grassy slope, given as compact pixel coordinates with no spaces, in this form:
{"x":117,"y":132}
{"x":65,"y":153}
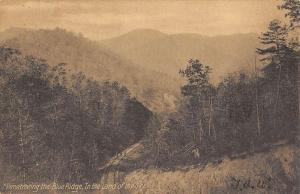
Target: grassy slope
{"x":276,"y":171}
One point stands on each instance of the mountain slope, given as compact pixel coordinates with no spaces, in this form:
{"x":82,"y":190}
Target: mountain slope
{"x":169,"y":53}
{"x":156,"y":90}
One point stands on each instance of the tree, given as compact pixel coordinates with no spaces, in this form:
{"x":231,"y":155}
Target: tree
{"x":199,"y":93}
{"x":293,"y":13}
{"x":275,"y":40}
{"x":280,"y":57}
{"x":59,"y":127}
{"x":236,"y":105}
{"x":197,"y":76}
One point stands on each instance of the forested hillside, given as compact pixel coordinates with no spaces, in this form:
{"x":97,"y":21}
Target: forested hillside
{"x":157,"y":91}
{"x":244,"y":112}
{"x":58,"y":127}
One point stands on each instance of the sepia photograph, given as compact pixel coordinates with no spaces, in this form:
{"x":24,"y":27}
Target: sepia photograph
{"x":150,"y":96}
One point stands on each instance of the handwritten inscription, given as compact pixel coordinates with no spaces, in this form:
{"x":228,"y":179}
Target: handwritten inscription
{"x":242,"y":183}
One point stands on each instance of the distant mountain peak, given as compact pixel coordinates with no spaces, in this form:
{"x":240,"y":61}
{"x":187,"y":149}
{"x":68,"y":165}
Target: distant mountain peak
{"x":16,"y":32}
{"x":145,"y":31}
{"x":139,"y":36}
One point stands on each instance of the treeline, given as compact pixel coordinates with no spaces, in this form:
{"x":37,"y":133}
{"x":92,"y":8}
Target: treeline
{"x":244,"y":113}
{"x":59,"y":127}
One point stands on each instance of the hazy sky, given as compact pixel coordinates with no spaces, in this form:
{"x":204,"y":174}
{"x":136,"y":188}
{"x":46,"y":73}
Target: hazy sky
{"x":103,"y":19}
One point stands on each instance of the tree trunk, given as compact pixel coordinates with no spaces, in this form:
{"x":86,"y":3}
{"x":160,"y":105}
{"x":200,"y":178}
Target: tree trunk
{"x":157,"y":155}
{"x":277,"y":96}
{"x":22,"y":146}
{"x":256,"y":97}
{"x":210,"y":115}
{"x":201,"y":132}
{"x":71,"y":161}
{"x":298,"y":83}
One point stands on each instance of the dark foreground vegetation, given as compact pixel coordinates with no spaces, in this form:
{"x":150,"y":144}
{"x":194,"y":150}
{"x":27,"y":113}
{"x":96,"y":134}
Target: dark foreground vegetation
{"x":59,"y":127}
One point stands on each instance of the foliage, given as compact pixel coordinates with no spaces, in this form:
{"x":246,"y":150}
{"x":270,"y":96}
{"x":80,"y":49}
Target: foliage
{"x":244,"y":113}
{"x":57,"y":127}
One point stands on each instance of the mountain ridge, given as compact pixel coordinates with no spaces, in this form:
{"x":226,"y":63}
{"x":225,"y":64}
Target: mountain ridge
{"x":98,"y":62}
{"x":170,"y":52}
